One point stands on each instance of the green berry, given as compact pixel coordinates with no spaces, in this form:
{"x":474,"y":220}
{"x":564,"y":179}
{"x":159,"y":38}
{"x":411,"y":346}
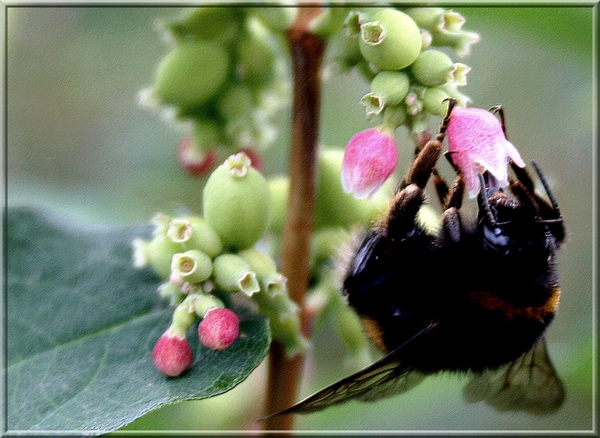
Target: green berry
{"x":160,"y":252}
{"x":275,"y":19}
{"x":428,"y":18}
{"x":208,"y":23}
{"x":237,"y":202}
{"x":391,"y":86}
{"x":232,"y":274}
{"x":390,"y":39}
{"x":394,"y":116}
{"x":432,"y":68}
{"x":207,"y":134}
{"x":235,"y":102}
{"x":194,"y":232}
{"x":334,"y":207}
{"x":191,"y":74}
{"x":433,"y":101}
{"x":255,"y":60}
{"x":261,"y":263}
{"x":192,"y":266}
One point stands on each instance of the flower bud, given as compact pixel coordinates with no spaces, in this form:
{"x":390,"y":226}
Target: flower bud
{"x":391,"y":86}
{"x":194,"y":159}
{"x":204,"y":302}
{"x":191,"y":74}
{"x":433,"y":99}
{"x":390,"y":39}
{"x":194,"y":232}
{"x":237,"y":202}
{"x":477,"y":142}
{"x":369,"y":159}
{"x":219,"y":328}
{"x":172,"y":354}
{"x":192,"y":266}
{"x":432,"y":68}
{"x":232,"y":274}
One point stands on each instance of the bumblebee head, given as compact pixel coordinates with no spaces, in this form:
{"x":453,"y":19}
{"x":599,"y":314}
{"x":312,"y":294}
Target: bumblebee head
{"x":511,"y":222}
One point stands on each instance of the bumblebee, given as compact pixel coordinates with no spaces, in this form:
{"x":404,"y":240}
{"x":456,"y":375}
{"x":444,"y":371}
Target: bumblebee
{"x":476,"y":297}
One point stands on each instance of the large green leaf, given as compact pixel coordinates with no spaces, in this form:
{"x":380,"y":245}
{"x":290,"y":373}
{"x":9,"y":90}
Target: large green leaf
{"x":81,"y":326}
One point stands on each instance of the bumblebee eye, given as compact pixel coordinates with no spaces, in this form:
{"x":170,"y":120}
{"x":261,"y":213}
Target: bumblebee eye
{"x":494,"y":237}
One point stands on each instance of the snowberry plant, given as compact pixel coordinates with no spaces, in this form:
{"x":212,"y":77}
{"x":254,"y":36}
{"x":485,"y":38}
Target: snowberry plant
{"x":266,"y":241}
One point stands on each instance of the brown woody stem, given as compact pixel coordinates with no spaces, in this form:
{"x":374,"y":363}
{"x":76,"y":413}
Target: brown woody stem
{"x":285,"y":373}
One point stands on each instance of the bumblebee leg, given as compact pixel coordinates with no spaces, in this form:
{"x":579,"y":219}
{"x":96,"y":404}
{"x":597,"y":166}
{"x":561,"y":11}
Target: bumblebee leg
{"x":426,"y":159}
{"x":400,"y":220}
{"x":455,"y":195}
{"x":451,"y":222}
{"x":409,"y":195}
{"x":441,"y":187}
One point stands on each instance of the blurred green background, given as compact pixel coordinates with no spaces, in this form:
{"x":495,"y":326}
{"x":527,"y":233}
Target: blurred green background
{"x":79,"y":143}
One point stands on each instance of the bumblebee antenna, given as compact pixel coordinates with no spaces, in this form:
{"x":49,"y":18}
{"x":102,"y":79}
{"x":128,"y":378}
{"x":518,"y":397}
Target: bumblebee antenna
{"x":497,"y":109}
{"x":484,"y":201}
{"x":544,"y":182}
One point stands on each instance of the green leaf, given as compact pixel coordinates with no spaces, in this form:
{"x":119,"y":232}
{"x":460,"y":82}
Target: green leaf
{"x":81,"y":323}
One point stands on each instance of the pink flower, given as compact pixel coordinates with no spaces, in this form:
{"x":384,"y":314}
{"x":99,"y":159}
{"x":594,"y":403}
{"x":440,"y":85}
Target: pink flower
{"x":476,"y":142}
{"x":369,"y":159}
{"x":172,"y":354}
{"x":219,"y":328}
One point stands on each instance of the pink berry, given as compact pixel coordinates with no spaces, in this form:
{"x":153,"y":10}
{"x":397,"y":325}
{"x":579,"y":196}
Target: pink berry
{"x":369,"y":159}
{"x":172,"y":354}
{"x":219,"y":328}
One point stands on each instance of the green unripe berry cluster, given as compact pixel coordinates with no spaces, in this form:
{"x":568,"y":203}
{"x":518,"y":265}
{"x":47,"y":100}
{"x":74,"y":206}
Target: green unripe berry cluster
{"x":201,"y":257}
{"x":401,"y":53}
{"x":224,"y":77}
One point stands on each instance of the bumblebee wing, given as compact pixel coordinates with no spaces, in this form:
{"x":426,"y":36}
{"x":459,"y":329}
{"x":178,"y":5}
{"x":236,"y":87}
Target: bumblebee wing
{"x":529,"y":384}
{"x":386,"y":377}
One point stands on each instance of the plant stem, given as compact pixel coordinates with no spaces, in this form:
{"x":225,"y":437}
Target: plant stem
{"x":307,"y":53}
